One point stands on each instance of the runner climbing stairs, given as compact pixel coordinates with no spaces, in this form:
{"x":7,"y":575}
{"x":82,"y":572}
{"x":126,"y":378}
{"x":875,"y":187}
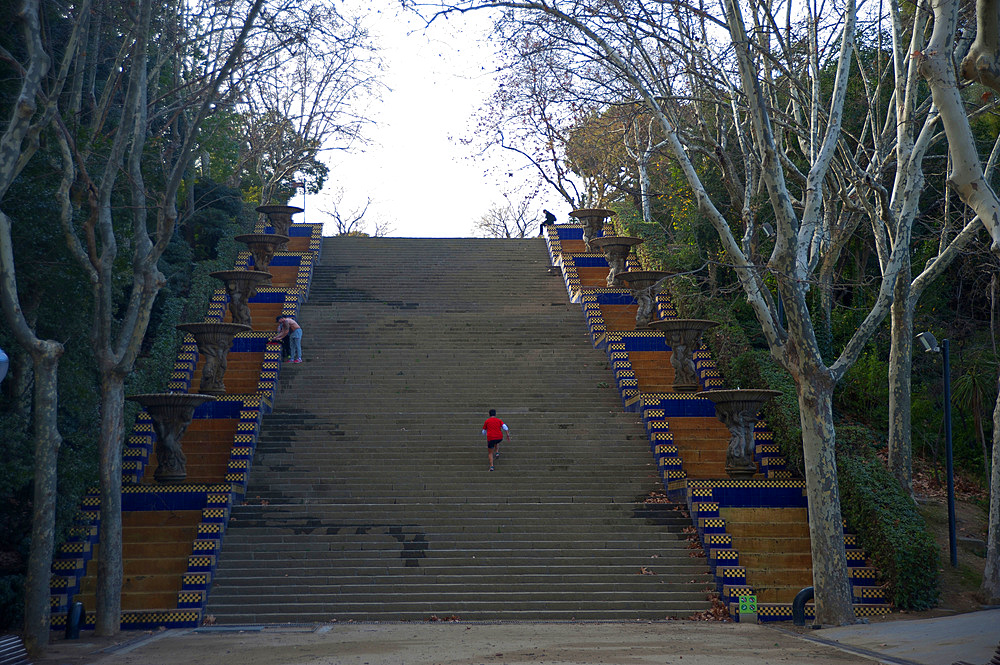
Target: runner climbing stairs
{"x":370,"y":496}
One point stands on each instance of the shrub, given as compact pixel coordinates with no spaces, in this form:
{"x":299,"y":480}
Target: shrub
{"x":886,"y":521}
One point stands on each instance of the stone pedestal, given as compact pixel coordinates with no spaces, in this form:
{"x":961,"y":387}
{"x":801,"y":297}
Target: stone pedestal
{"x":616,"y":249}
{"x":214,"y":341}
{"x":593,"y":224}
{"x":738,"y":409}
{"x":240,"y":285}
{"x":171,"y":414}
{"x":684,"y":337}
{"x":279,"y":217}
{"x":643,"y":285}
{"x":262,"y":246}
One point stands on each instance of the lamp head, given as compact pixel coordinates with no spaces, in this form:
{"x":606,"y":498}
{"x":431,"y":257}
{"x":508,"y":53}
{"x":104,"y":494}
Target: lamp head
{"x":929,"y":343}
{"x":767,"y":229}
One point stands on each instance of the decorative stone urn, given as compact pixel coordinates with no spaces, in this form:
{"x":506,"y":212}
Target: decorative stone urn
{"x":643,"y":285}
{"x":738,"y":409}
{"x":262,"y":246}
{"x":616,"y":249}
{"x":593,"y":224}
{"x":214,"y":341}
{"x":171,"y":414}
{"x":240,"y":285}
{"x":279,"y":217}
{"x":684,"y":337}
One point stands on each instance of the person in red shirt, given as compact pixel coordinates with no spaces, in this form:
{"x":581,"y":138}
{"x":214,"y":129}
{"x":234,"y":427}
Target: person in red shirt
{"x":494,"y":430}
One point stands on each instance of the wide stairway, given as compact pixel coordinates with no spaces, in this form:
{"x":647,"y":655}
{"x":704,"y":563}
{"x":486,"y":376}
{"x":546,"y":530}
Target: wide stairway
{"x":370,"y":496}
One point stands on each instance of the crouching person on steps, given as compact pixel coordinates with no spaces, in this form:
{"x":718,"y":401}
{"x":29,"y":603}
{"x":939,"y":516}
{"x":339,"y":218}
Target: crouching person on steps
{"x":289,"y":327}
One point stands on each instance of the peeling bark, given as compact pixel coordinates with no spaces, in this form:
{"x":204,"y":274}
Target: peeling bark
{"x":18,"y":144}
{"x":966,"y":175}
{"x":826,"y":531}
{"x":982,"y":63}
{"x":990,"y":589}
{"x":968,"y":178}
{"x":109,"y":565}
{"x":900,"y":366}
{"x":37,"y":605}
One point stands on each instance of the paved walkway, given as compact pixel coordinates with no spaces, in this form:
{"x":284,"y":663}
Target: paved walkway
{"x":969,"y":637}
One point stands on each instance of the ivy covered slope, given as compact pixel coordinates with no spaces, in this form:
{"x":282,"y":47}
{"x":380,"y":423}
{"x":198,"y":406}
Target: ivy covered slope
{"x":883,"y":515}
{"x":60,"y":297}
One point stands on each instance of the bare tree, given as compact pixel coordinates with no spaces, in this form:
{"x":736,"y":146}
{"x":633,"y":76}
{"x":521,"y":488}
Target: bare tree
{"x":383,"y":227}
{"x":510,"y":221}
{"x":165,"y":95}
{"x":638,"y":142}
{"x":39,"y":84}
{"x":309,"y":97}
{"x":540,"y":99}
{"x":967,"y":176}
{"x":780,"y":92}
{"x":348,"y":222}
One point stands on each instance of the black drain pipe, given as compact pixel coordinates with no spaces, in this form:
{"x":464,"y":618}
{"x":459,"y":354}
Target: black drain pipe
{"x":74,"y":617}
{"x":799,"y":606}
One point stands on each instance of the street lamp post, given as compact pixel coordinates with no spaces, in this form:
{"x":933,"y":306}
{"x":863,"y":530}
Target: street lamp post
{"x":302,"y":184}
{"x":931,"y":346}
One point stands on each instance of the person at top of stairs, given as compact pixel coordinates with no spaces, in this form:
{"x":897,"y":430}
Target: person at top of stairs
{"x":289,"y":327}
{"x":493,"y":430}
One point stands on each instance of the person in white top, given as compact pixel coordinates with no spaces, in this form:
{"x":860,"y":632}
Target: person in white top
{"x":289,"y":327}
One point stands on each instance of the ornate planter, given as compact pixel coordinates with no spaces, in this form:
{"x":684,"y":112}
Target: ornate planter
{"x":616,"y":249}
{"x":214,"y":341}
{"x":262,"y":246}
{"x":643,"y":284}
{"x":279,"y":217}
{"x":171,"y":414}
{"x":738,"y":409}
{"x":240,"y":285}
{"x":593,"y":224}
{"x":683,"y":336}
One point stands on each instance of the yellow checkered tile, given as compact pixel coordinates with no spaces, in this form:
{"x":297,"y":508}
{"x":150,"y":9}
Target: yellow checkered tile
{"x":174,"y":616}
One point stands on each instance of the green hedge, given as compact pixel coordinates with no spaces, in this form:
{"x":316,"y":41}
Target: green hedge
{"x":891,"y":529}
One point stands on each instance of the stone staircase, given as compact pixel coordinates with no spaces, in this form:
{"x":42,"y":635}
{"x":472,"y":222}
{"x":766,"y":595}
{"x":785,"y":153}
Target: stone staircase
{"x":370,"y":497}
{"x":754,"y":531}
{"x":171,"y":532}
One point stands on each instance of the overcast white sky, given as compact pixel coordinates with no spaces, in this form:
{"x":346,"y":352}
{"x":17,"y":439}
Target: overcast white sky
{"x":419,"y":177}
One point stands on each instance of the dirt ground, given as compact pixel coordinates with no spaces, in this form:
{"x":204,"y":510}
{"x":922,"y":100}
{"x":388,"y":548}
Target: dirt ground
{"x":694,"y":643}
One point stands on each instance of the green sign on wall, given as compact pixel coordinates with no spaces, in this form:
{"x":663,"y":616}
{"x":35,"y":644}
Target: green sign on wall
{"x":748,"y":604}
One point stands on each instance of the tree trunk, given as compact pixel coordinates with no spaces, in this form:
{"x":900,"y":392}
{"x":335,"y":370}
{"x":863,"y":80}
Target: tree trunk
{"x":644,"y":189}
{"x":990,"y":590}
{"x":109,"y":565}
{"x":900,"y":366}
{"x":37,"y":608}
{"x":19,"y":381}
{"x":824,"y":317}
{"x":826,"y":528}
